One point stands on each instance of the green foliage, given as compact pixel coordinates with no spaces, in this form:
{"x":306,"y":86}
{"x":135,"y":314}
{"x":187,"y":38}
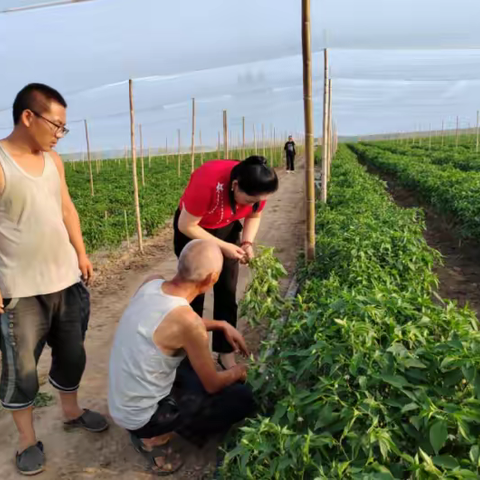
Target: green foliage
{"x":262,"y":297}
{"x":43,"y":399}
{"x":369,"y":378}
{"x":446,"y":188}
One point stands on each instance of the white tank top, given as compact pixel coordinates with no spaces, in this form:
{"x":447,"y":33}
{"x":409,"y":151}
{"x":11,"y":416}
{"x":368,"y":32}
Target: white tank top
{"x":36,"y":256}
{"x":140,"y":373}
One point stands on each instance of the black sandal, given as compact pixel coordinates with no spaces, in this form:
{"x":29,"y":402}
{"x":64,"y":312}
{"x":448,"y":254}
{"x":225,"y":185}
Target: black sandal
{"x":164,"y":451}
{"x":31,"y":461}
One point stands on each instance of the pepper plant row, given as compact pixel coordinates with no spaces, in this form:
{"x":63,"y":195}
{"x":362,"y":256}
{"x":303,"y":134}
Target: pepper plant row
{"x":369,"y":378}
{"x":464,"y":157}
{"x":446,"y":188}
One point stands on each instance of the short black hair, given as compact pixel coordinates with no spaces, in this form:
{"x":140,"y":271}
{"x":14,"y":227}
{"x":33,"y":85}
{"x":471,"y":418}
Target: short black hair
{"x":35,"y":97}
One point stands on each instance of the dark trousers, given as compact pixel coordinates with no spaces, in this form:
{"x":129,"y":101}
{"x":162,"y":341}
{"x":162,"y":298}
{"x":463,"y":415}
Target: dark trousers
{"x":290,"y":162}
{"x":58,"y":319}
{"x":225,"y":290}
{"x":195,"y":414}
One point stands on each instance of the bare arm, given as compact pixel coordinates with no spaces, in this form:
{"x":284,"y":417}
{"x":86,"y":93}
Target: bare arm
{"x":233,"y":336}
{"x":189,"y":225}
{"x":251,"y":226}
{"x":2,"y":186}
{"x":72,"y":222}
{"x":250,"y":229}
{"x":195,"y":343}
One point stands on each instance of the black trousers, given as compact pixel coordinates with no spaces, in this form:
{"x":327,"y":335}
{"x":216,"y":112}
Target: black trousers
{"x":225,"y":290}
{"x":195,"y":414}
{"x":290,"y":161}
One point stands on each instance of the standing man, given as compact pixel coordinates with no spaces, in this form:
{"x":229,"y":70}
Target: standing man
{"x":42,"y":254}
{"x":290,"y":154}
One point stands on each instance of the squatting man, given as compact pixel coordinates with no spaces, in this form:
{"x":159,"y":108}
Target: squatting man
{"x":163,"y":380}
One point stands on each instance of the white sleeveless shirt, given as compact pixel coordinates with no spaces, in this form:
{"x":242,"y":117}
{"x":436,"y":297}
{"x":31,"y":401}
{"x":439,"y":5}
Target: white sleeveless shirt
{"x":36,"y":256}
{"x":140,"y":373}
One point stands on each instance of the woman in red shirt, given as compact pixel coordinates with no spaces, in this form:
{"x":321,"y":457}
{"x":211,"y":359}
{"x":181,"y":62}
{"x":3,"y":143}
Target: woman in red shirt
{"x":220,"y":194}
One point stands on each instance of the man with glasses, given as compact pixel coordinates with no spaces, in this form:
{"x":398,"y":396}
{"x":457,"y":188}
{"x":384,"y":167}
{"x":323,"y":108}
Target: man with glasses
{"x":42,"y":264}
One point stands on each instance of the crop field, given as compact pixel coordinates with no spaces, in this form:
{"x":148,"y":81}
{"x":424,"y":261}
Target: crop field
{"x":447,"y":178}
{"x":371,"y":376}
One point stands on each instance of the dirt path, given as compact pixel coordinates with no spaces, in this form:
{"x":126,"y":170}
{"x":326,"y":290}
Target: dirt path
{"x":460,"y":274}
{"x":82,"y":455}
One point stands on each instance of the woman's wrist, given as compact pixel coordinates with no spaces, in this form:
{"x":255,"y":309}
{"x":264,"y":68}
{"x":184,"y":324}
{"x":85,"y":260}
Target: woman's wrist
{"x":246,"y":243}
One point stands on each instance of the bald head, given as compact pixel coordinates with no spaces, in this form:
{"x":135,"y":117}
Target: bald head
{"x":199,"y":259}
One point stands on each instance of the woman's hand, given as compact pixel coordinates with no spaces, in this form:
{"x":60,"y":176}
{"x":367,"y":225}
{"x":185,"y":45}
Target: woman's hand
{"x":230,"y":250}
{"x":249,"y":253}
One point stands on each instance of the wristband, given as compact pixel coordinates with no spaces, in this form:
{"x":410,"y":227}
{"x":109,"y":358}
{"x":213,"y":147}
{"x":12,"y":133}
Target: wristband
{"x":246,"y":243}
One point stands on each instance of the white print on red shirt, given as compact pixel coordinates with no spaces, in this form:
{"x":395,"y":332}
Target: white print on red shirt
{"x":218,"y":201}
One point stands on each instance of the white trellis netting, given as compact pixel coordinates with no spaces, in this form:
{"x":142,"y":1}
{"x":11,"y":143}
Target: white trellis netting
{"x":396,"y":65}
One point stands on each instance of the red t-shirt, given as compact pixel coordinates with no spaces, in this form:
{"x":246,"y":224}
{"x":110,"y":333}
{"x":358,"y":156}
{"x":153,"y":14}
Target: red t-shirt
{"x":207,"y":195}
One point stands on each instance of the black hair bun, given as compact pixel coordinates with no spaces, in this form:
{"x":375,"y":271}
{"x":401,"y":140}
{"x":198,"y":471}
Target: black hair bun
{"x":257,"y":160}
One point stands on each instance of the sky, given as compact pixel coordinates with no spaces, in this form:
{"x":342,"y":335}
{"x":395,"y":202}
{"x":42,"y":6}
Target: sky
{"x":396,"y":66}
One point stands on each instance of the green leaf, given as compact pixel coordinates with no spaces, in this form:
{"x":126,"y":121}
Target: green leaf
{"x":279,"y":412}
{"x":438,"y":435}
{"x":414,"y":363}
{"x":476,"y":384}
{"x":396,"y":381}
{"x":325,"y":417}
{"x":409,"y":407}
{"x":475,"y":455}
{"x":426,"y":458}
{"x":384,"y":447}
{"x":445,"y":461}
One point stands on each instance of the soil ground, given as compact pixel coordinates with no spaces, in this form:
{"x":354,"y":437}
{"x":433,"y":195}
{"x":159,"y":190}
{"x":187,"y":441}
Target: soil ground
{"x":84,"y":455}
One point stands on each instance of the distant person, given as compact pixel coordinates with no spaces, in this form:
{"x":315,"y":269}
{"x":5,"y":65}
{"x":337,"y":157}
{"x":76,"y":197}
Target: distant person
{"x":42,"y":255}
{"x":162,"y":378}
{"x":290,"y":154}
{"x":220,"y":194}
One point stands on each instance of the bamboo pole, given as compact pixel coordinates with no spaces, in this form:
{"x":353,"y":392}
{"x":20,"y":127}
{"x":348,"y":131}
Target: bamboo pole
{"x":201,"y":147}
{"x":126,"y":229}
{"x":89,"y":160}
{"x":478,"y":131}
{"x":243,"y":137}
{"x":134,"y":168}
{"x":225,"y":135}
{"x":456,"y":134}
{"x":193,"y":135}
{"x":179,"y":160}
{"x":323,"y":191}
{"x":275,"y":146}
{"x":263,"y":140}
{"x":141,"y":156}
{"x":308,"y":110}
{"x":330,"y":133}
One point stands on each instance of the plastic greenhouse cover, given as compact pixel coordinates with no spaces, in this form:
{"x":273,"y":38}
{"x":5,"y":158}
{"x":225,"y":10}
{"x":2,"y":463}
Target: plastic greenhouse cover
{"x":396,"y":65}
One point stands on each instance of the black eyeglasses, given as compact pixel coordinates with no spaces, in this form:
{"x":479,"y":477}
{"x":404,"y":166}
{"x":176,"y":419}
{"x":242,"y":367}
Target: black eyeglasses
{"x":58,"y":128}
